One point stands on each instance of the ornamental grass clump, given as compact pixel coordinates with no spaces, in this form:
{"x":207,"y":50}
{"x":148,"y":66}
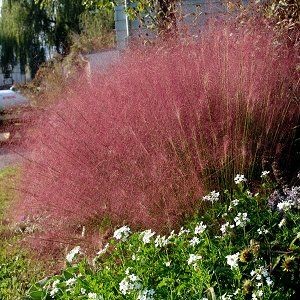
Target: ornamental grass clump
{"x":142,"y":143}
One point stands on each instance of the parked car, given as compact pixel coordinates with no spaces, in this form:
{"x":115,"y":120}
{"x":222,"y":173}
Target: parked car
{"x":13,"y":109}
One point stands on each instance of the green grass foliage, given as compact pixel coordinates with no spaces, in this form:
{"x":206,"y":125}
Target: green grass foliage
{"x":17,"y":270}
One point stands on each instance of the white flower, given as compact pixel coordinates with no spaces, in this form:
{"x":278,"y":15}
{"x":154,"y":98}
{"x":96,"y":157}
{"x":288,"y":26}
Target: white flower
{"x":172,"y":234}
{"x":264,"y":272}
{"x":122,"y":233}
{"x":127,"y":271}
{"x":236,"y":292}
{"x":258,"y":277}
{"x":226,"y":297}
{"x":82,"y":291}
{"x":235,"y":202}
{"x":102,"y":251}
{"x":183,"y":231}
{"x":133,"y":277}
{"x":146,"y":235}
{"x":262,"y":231}
{"x":259,"y":293}
{"x":124,"y":286}
{"x":129,"y":283}
{"x":269,"y":281}
{"x":241,"y":219}
{"x":146,"y":295}
{"x":224,"y":227}
{"x":70,"y":281}
{"x":53,"y":292}
{"x":71,"y":255}
{"x":264,"y":174}
{"x":254,"y":297}
{"x":193,"y":258}
{"x":92,"y":296}
{"x":168,"y":264}
{"x":212,"y":197}
{"x":249,"y":194}
{"x":55,"y":283}
{"x":194,"y":241}
{"x":285,"y":205}
{"x":239,"y":178}
{"x":133,"y":257}
{"x":282,"y":223}
{"x":200,"y":228}
{"x":232,"y":260}
{"x":160,"y":241}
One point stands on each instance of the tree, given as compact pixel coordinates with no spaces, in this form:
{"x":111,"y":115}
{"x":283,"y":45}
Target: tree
{"x":31,"y":29}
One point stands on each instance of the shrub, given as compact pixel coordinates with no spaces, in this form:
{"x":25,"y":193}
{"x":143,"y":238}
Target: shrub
{"x":142,"y":143}
{"x":243,"y":248}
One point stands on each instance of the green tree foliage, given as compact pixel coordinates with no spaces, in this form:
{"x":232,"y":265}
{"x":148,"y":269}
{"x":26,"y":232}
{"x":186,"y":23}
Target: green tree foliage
{"x":22,"y":29}
{"x":158,"y":15}
{"x":32,"y":28}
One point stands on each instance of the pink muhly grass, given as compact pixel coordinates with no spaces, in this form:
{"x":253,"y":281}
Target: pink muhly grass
{"x":142,"y":144}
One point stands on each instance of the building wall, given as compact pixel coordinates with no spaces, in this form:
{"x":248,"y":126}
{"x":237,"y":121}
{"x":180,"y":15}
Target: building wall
{"x":191,"y":12}
{"x":16,"y":77}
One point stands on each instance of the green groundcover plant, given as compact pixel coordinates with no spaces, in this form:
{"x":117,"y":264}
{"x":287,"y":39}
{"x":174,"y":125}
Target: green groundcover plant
{"x":18,"y":270}
{"x":246,"y":246}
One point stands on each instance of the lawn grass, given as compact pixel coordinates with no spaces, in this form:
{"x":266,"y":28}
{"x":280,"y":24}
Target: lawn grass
{"x":17,"y":270}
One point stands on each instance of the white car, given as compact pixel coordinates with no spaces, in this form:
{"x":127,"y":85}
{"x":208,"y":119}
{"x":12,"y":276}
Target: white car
{"x":10,"y":99}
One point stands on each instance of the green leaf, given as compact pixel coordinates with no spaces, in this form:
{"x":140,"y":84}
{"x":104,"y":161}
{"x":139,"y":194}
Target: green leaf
{"x":37,"y":295}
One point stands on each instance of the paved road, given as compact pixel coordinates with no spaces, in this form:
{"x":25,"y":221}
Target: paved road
{"x":8,"y":157}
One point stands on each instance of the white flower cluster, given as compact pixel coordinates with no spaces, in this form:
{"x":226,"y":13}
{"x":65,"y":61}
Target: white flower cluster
{"x":257,"y":295}
{"x":234,"y":203}
{"x":130,"y":283}
{"x":146,"y":236}
{"x":94,"y":296}
{"x":212,"y":197}
{"x":224,"y":228}
{"x":54,"y":289}
{"x":259,"y":276}
{"x":71,"y":255}
{"x":264,"y":174}
{"x":241,"y":219}
{"x":200,"y":228}
{"x":239,"y":178}
{"x":226,"y":297}
{"x":122,"y":233}
{"x":161,"y":241}
{"x":194,"y":241}
{"x":282,"y":223}
{"x":71,"y":281}
{"x":232,"y":260}
{"x":291,"y":199}
{"x":230,"y":297}
{"x":261,"y":273}
{"x":146,"y":294}
{"x":285,"y":205}
{"x":183,"y":231}
{"x":193,"y":258}
{"x":262,"y":230}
